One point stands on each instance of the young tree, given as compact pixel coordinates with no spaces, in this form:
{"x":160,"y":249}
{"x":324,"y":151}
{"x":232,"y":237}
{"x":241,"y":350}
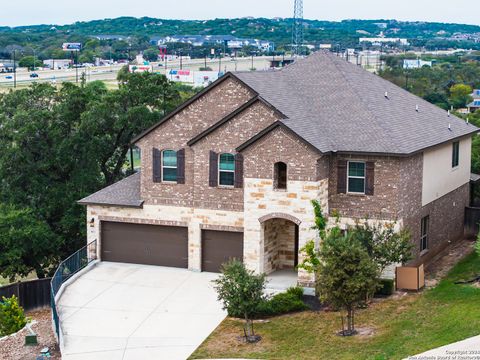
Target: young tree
{"x":241,"y":291}
{"x":384,"y":245}
{"x":345,"y":274}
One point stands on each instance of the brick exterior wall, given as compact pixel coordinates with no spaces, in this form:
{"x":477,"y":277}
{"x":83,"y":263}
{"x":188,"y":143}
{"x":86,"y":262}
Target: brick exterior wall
{"x":174,"y":134}
{"x":282,"y":145}
{"x":383,"y":204}
{"x":225,"y":140}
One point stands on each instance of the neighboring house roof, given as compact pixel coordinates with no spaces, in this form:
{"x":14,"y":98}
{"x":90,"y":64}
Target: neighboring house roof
{"x":338,"y":107}
{"x":125,"y":193}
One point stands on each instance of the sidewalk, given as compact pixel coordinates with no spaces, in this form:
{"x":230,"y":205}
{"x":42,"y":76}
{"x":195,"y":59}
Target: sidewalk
{"x":466,"y":349}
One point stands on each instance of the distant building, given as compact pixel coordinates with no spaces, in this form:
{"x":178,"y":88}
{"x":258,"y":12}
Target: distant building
{"x":384,"y":40}
{"x":6,"y":66}
{"x":475,"y":104}
{"x":230,"y":41}
{"x":103,"y":37}
{"x":57,"y":63}
{"x":416,"y":63}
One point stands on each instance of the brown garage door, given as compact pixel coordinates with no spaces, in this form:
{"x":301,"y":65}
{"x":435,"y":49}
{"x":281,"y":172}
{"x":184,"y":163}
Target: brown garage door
{"x":220,"y":246}
{"x":145,"y":244}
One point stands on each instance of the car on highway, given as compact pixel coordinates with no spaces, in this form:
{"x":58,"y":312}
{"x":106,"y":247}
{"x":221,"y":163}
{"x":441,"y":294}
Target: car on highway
{"x":9,"y":77}
{"x":33,"y":75}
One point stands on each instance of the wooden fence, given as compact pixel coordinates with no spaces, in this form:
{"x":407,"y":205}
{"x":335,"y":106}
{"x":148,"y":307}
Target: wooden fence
{"x":472,"y":219}
{"x":31,"y":294}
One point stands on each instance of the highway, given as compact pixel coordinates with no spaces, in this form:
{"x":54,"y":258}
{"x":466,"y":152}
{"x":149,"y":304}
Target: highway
{"x":109,"y":73}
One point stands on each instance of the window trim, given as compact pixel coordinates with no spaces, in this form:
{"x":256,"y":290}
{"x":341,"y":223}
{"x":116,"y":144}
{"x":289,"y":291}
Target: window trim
{"x":169,"y":167}
{"x":424,"y":230}
{"x":364,"y":177}
{"x":229,"y":171}
{"x":275,"y":178}
{"x":455,"y":154}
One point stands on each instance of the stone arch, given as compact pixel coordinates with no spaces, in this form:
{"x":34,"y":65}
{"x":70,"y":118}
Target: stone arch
{"x":279,"y":216}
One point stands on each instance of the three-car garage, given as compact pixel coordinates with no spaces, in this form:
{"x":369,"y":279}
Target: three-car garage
{"x":166,"y":245}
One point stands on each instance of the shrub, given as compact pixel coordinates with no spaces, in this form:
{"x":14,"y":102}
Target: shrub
{"x":386,"y":287}
{"x":241,"y":292}
{"x":283,"y":303}
{"x":12,"y":316}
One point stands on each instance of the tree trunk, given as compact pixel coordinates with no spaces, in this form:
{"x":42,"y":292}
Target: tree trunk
{"x":248,"y":327}
{"x":350,"y":320}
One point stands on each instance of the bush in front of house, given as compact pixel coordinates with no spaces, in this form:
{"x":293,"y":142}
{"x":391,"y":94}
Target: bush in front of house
{"x":12,"y":316}
{"x":386,"y":287}
{"x":241,"y":291}
{"x":282,"y":303}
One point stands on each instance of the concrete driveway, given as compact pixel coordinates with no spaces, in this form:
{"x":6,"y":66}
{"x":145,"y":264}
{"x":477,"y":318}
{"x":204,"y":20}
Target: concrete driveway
{"x":125,"y":312}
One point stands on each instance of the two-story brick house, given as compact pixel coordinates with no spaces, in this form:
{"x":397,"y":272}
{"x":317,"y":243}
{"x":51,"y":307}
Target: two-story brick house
{"x":232,"y":172}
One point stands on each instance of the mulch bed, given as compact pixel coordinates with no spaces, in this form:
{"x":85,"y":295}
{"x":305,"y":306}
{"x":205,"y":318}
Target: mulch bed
{"x":13,"y":348}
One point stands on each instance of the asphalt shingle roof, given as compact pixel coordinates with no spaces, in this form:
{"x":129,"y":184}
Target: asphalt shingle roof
{"x":126,"y":192}
{"x":338,"y":106}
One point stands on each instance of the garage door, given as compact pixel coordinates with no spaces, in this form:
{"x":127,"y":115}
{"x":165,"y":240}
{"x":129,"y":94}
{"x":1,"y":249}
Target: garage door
{"x":220,"y":246}
{"x":145,"y":244}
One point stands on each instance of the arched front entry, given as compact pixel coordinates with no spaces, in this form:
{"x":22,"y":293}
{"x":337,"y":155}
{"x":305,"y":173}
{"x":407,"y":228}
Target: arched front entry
{"x":280,"y":242}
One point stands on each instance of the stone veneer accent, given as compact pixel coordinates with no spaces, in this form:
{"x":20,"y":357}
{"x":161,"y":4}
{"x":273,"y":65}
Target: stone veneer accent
{"x":279,"y":235}
{"x":194,"y":219}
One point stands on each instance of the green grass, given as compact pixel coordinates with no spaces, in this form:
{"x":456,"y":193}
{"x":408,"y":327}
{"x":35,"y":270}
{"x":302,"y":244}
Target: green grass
{"x":403,"y":327}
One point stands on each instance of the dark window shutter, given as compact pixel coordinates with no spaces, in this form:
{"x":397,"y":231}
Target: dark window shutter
{"x":238,"y":170}
{"x":181,"y":166}
{"x":157,"y":165}
{"x":341,"y":176}
{"x":213,"y":173}
{"x":369,"y":177}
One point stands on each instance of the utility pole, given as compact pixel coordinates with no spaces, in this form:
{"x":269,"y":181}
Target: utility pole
{"x":297,"y":28}
{"x":14,"y":69}
{"x":76,"y":67}
{"x":220,"y":63}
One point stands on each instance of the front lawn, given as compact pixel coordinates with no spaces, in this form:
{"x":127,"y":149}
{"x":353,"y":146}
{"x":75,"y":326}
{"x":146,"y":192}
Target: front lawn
{"x":402,"y":327}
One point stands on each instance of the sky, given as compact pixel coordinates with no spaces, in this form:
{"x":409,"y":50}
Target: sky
{"x":32,"y":12}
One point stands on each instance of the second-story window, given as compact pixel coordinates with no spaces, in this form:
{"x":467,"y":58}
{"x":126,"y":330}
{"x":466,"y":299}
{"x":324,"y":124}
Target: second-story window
{"x":356,"y":177}
{"x":455,"y":154}
{"x":280,"y":176}
{"x":169,"y":166}
{"x":226,"y":170}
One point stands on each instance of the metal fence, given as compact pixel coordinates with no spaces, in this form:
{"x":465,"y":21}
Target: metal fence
{"x":31,"y":294}
{"x":67,"y":268}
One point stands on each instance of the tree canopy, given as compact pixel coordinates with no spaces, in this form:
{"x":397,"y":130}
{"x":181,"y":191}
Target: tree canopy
{"x":60,"y":145}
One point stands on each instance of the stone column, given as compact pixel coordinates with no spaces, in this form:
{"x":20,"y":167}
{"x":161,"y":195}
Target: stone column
{"x":194,"y":246}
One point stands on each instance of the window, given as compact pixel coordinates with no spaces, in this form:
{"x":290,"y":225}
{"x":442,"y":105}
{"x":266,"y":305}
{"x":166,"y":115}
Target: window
{"x":169,"y":165}
{"x":280,"y":175}
{"x":226,"y":170}
{"x":356,"y":177}
{"x":424,"y":234}
{"x":455,"y":154}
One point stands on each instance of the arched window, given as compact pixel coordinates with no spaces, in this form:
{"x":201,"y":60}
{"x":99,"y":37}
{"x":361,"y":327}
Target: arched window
{"x":169,"y":165}
{"x":226,"y":170}
{"x":280,"y":175}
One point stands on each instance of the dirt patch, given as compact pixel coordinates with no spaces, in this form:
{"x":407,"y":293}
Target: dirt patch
{"x":13,"y":348}
{"x":441,"y":264}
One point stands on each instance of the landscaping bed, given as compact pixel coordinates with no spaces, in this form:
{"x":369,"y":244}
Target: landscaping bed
{"x":403,"y":325}
{"x":12,"y":348}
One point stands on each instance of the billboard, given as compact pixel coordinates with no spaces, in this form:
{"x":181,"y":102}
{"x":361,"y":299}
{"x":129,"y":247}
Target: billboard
{"x":140,"y":68}
{"x":72,"y":46}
